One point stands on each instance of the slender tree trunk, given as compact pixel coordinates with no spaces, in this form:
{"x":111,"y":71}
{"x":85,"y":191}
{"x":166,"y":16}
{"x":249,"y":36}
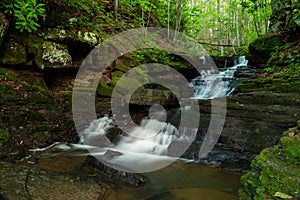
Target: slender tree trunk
{"x":237,"y":30}
{"x":116,"y":9}
{"x":219,"y":23}
{"x":178,"y":16}
{"x":168,"y":19}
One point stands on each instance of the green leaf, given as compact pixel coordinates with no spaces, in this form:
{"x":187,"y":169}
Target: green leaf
{"x":282,"y":195}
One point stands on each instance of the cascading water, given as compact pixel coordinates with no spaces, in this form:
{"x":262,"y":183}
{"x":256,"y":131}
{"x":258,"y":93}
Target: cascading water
{"x":143,"y":148}
{"x":210,"y":84}
{"x":152,"y":144}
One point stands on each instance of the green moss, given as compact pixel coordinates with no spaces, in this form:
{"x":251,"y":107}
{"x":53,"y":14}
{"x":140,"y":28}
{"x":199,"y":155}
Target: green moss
{"x":266,"y":43}
{"x":291,"y":147}
{"x":104,"y":90}
{"x":275,"y":169}
{"x":4,"y":137}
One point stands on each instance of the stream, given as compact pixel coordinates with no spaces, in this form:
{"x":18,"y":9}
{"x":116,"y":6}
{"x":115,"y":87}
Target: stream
{"x":147,"y":146}
{"x":178,"y":181}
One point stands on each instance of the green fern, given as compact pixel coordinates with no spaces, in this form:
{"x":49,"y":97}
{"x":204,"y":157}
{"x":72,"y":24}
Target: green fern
{"x":26,"y":12}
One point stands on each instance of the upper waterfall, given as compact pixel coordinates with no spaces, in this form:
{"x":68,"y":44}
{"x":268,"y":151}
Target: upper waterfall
{"x":211,"y":84}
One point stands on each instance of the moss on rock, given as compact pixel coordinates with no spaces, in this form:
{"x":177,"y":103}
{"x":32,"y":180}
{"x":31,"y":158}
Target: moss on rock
{"x":13,"y":53}
{"x":53,"y":55}
{"x":275,"y":169}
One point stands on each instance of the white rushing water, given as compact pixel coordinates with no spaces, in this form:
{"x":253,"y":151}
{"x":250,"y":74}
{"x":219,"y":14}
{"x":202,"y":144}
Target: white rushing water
{"x":142,"y":149}
{"x":145,"y":148}
{"x":210,"y":84}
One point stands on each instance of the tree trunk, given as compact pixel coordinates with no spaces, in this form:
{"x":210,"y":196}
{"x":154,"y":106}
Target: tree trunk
{"x":219,"y":24}
{"x":116,"y":9}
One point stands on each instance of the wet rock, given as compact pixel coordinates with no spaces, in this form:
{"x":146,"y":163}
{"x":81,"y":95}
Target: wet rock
{"x":245,"y":73}
{"x":32,"y":160}
{"x":20,"y":182}
{"x":13,"y":52}
{"x":53,"y":55}
{"x":113,"y":134}
{"x":124,"y":177}
{"x":4,"y":23}
{"x":153,"y":96}
{"x":176,"y":148}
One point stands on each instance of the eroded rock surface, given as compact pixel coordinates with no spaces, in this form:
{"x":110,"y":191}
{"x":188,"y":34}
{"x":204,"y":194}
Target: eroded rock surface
{"x":24,"y":183}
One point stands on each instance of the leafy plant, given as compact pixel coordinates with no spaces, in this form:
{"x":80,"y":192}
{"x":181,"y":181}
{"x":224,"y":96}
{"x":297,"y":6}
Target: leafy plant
{"x":25,"y":12}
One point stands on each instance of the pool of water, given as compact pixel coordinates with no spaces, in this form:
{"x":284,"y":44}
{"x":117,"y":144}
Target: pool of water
{"x":184,"y":181}
{"x":178,"y":181}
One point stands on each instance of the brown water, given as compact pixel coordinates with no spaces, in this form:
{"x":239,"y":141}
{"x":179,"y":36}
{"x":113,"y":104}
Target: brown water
{"x":179,"y":181}
{"x":182,"y":181}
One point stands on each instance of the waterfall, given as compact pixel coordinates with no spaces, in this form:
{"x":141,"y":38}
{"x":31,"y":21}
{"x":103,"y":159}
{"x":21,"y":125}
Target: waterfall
{"x":210,"y":84}
{"x":150,"y":146}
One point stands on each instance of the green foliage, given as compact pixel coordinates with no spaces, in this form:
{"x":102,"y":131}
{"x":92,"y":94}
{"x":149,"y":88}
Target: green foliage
{"x":291,"y":147}
{"x":4,"y":137}
{"x":158,"y":56}
{"x":26,"y":12}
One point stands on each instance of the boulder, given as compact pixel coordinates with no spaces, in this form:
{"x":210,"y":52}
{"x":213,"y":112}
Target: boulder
{"x":87,"y":38}
{"x":260,"y":50}
{"x":13,"y":52}
{"x":57,"y":35}
{"x":3,"y":27}
{"x":275,"y":172}
{"x":53,"y":55}
{"x":153,"y":96}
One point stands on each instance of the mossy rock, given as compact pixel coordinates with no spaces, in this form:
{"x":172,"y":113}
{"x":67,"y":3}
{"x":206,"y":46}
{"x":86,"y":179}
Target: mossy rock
{"x":104,"y":90}
{"x":13,"y":53}
{"x":57,"y":35}
{"x":275,"y":170}
{"x":291,"y":147}
{"x":53,"y":55}
{"x":260,"y":49}
{"x":121,"y":67}
{"x":265,"y":43}
{"x":34,"y":43}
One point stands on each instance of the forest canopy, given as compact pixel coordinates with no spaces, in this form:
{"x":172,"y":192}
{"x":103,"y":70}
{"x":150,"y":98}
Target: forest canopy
{"x":221,"y":26}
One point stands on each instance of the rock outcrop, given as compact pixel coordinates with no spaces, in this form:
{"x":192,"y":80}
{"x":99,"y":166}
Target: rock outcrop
{"x":275,"y":171}
{"x":13,"y":52}
{"x":285,"y":15}
{"x":26,"y":183}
